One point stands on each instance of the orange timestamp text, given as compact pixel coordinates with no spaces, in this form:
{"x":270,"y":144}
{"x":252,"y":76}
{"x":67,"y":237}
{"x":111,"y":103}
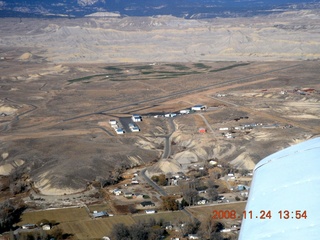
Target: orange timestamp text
{"x":263,"y":214}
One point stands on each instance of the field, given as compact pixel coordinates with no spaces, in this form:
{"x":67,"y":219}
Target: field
{"x":99,"y":207}
{"x":77,"y":222}
{"x":165,"y":216}
{"x":95,"y":228}
{"x":58,"y":215}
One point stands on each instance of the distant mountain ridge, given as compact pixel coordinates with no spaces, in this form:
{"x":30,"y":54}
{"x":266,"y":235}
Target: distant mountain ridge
{"x":178,"y":8}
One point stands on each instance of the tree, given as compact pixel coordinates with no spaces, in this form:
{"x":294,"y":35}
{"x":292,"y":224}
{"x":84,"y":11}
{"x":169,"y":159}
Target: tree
{"x":120,"y":232}
{"x":9,"y":214}
{"x":212,"y":194}
{"x":57,"y":233}
{"x":212,"y":191}
{"x":139,"y":232}
{"x":190,"y":195}
{"x":169,"y":203}
{"x":209,"y":226}
{"x":190,"y":227}
{"x":162,"y":180}
{"x":132,"y":209}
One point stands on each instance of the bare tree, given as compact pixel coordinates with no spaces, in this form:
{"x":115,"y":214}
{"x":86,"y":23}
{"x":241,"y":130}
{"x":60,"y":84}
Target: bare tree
{"x":120,"y":232}
{"x":139,"y":232}
{"x":190,"y":195}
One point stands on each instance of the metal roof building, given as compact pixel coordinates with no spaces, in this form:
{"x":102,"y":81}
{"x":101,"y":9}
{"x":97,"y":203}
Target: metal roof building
{"x":287,"y":184}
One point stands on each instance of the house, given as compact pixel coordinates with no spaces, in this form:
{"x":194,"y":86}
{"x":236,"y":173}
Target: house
{"x":193,"y":236}
{"x":134,"y":182}
{"x":112,"y":122}
{"x":128,"y":194}
{"x":150,"y":211}
{"x":29,"y":226}
{"x":169,"y":227}
{"x":46,"y":227}
{"x":101,"y":214}
{"x":244,"y":194}
{"x":135,"y":129}
{"x":212,"y":163}
{"x":202,"y":202}
{"x":136,"y":118}
{"x":235,"y":227}
{"x":147,"y":204}
{"x":242,"y":187}
{"x":185,"y":111}
{"x":170,"y":115}
{"x":202,"y":130}
{"x":199,"y":107}
{"x":117,"y":192}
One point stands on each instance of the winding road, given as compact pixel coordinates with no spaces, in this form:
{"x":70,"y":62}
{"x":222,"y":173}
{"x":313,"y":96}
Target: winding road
{"x":17,"y":118}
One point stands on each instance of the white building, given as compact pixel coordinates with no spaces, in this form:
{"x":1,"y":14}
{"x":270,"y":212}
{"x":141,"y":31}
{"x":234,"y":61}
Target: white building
{"x":199,"y":107}
{"x":117,"y":192}
{"x":112,"y":122}
{"x":150,"y":211}
{"x":135,"y":129}
{"x":136,"y":118}
{"x":185,"y":111}
{"x":119,"y":131}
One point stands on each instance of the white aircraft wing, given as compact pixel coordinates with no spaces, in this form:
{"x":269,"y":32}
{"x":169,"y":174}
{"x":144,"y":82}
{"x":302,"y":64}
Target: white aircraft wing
{"x":284,"y":198}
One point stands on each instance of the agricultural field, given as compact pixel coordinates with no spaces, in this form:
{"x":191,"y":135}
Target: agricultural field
{"x":165,"y":216}
{"x":95,"y":228}
{"x":77,"y":222}
{"x":100,"y":207}
{"x":58,"y":215}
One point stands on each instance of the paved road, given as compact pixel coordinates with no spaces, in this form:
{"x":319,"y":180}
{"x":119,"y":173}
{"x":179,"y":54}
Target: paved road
{"x":152,"y":183}
{"x":167,"y":145}
{"x":166,"y":154}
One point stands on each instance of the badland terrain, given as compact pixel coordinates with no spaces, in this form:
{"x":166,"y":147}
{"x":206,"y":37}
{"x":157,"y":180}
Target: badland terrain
{"x":63,"y":80}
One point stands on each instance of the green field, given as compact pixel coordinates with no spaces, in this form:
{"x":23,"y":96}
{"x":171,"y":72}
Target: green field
{"x":141,"y":72}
